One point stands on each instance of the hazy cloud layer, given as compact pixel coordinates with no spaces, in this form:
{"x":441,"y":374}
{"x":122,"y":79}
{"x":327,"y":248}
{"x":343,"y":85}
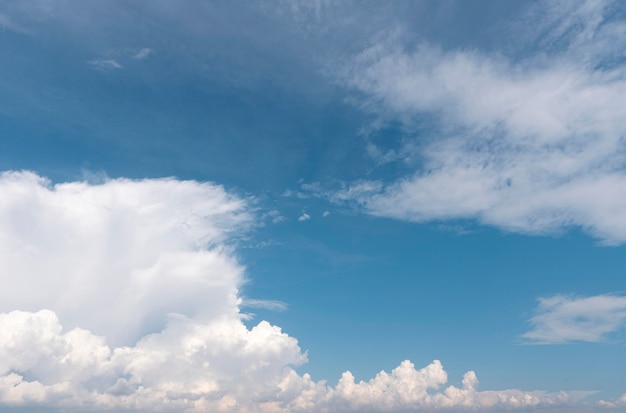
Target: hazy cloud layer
{"x":532,"y":143}
{"x":126,"y":295}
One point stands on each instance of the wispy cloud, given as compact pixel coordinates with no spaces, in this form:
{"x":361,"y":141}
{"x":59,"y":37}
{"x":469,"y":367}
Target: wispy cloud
{"x":532,"y":144}
{"x":304,"y":217}
{"x":275,"y":216}
{"x":105,"y":64}
{"x":562,"y":319}
{"x":142,"y":54}
{"x":272,"y":305}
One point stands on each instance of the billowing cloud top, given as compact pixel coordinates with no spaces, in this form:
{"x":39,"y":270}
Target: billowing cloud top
{"x":114,"y":258}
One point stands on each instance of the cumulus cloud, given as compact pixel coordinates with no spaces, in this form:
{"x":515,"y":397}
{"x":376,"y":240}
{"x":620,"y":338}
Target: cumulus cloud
{"x":149,"y":247}
{"x":531,"y":144}
{"x":304,"y":217}
{"x":560,"y":319}
{"x":215,"y":366}
{"x":125,"y":295}
{"x":408,"y":389}
{"x":187,"y":366}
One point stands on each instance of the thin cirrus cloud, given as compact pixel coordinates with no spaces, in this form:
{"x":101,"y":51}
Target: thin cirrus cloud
{"x":272,"y":305}
{"x":125,"y":295}
{"x":105,"y":64}
{"x":561,"y":319}
{"x":531,"y":144}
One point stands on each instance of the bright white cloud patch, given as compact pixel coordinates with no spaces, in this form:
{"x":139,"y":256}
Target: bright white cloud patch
{"x":125,"y":296}
{"x":531,"y":145}
{"x":561,"y":319}
{"x":115,"y":258}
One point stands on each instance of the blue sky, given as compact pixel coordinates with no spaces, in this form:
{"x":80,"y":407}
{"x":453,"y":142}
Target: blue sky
{"x":216,"y":206}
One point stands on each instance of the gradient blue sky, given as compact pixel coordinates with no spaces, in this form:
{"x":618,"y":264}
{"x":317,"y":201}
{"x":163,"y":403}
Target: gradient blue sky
{"x":421,"y":180}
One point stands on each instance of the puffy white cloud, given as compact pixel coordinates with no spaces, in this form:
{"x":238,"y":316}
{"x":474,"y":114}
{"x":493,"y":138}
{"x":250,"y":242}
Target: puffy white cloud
{"x":125,"y":295}
{"x":114,"y":258}
{"x":188,"y":365}
{"x":304,"y":217}
{"x":214,"y":366}
{"x":408,"y":389}
{"x":532,"y":144}
{"x":142,"y":275}
{"x":560,"y":319}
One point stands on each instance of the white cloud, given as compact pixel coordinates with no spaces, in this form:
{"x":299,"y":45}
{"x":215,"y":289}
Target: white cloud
{"x":304,"y":217}
{"x":215,"y":366}
{"x":147,"y":287}
{"x":273,"y":305}
{"x":408,"y":389}
{"x":275,"y":216}
{"x":150,"y":247}
{"x":124,"y":295}
{"x":532,"y":145}
{"x":188,"y":366}
{"x":325,"y":214}
{"x":560,"y":319}
{"x":617,"y":403}
{"x":105,"y":64}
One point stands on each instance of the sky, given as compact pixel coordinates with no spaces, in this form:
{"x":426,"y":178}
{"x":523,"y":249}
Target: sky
{"x":312,"y":206}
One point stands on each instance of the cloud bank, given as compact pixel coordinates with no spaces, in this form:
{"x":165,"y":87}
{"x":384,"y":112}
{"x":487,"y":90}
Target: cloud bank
{"x":125,"y":295}
{"x":530,"y":142}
